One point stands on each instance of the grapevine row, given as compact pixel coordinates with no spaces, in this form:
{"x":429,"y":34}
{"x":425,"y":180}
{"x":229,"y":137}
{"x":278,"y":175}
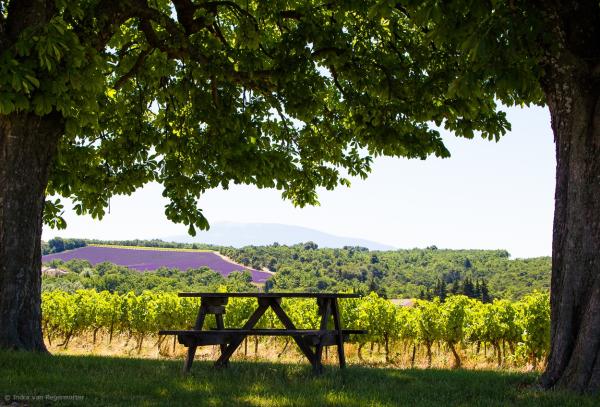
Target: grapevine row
{"x":523,"y":327}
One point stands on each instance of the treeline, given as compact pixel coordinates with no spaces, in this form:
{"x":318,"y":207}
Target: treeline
{"x":478,"y":291}
{"x":414,"y":273}
{"x":518,"y":333}
{"x":119,"y":279}
{"x":397,"y":273}
{"x":58,"y":244}
{"x":152,"y":243}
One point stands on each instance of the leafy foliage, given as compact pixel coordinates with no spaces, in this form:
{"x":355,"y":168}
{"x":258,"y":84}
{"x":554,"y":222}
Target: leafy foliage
{"x":398,"y":273}
{"x":459,"y":321}
{"x":119,"y":279}
{"x":305,"y":267}
{"x":199,"y":95}
{"x":59,"y":244}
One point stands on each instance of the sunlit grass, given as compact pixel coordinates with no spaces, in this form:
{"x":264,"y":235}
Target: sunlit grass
{"x":102,"y":381}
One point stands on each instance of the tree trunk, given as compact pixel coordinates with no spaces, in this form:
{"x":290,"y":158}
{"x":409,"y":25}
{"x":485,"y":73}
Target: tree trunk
{"x":28,"y":145}
{"x":498,"y":353}
{"x":429,"y":355}
{"x":573,"y":95}
{"x":359,"y":352}
{"x":457,"y":362}
{"x":387,"y":348}
{"x":287,"y":341}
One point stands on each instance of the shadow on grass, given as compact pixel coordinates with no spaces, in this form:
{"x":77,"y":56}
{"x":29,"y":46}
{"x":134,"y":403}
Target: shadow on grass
{"x":102,"y":381}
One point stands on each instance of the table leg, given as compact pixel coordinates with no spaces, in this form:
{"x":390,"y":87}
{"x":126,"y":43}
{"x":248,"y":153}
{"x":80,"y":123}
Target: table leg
{"x":192,"y":349}
{"x":228,"y":351}
{"x":325,"y":310}
{"x":287,"y":322}
{"x":220,"y":325}
{"x":340,"y":337}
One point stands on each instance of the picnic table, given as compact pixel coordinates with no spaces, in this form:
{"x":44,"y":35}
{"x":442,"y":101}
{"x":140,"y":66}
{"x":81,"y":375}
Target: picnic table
{"x":310,"y":341}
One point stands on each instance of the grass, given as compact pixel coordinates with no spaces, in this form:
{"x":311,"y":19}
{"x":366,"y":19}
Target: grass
{"x":101,"y":381}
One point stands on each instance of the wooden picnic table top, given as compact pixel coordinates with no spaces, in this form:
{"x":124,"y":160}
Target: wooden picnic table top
{"x":272,"y":295}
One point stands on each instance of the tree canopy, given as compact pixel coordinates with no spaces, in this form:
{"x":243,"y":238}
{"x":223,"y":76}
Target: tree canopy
{"x":98,"y":98}
{"x":197,"y":95}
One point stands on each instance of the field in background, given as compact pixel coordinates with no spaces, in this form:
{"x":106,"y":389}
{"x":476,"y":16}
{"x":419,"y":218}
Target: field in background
{"x":414,"y":273}
{"x":148,"y":259}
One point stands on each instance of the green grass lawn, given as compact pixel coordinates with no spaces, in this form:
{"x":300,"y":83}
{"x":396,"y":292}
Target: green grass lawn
{"x":103,"y":381}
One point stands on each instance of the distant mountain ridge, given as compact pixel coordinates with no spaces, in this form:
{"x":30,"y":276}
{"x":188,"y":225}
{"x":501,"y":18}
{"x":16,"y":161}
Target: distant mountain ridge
{"x":262,"y":234}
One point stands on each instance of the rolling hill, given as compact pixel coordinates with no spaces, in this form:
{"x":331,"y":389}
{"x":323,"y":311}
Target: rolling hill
{"x":261,"y":234}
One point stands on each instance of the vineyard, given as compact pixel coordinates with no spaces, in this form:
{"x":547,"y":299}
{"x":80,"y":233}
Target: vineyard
{"x":509,"y":333}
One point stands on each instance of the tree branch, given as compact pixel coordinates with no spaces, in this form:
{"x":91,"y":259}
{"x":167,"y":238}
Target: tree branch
{"x":387,"y":76}
{"x":108,"y":16}
{"x":155,"y":42}
{"x":336,"y":82}
{"x":217,"y":31}
{"x":2,"y":30}
{"x":185,"y":15}
{"x":291,"y":14}
{"x":134,"y":69}
{"x":112,"y":13}
{"x":318,"y":52}
{"x":213,"y":5}
{"x":402,"y":10}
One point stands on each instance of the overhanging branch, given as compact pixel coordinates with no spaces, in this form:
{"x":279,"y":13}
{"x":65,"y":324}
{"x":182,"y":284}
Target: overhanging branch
{"x":134,"y":69}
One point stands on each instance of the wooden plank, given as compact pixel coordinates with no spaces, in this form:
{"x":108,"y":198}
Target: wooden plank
{"x":270,"y":295}
{"x":328,"y":339}
{"x":287,"y":322}
{"x":189,"y":359}
{"x":215,"y":309}
{"x":226,"y":354}
{"x":215,"y":300}
{"x":200,"y":319}
{"x":325,"y":311}
{"x":187,"y":365}
{"x":322,"y":303}
{"x":221,"y":326}
{"x":262,"y":332}
{"x":258,"y":332}
{"x":194,"y":340}
{"x":340,"y":337}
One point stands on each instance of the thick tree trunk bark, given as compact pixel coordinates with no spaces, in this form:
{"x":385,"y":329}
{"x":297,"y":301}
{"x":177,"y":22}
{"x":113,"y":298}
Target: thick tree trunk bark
{"x":574,"y":101}
{"x":28,"y":145}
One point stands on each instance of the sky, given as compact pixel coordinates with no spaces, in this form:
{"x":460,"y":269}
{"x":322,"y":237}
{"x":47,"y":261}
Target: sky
{"x":487,"y":195}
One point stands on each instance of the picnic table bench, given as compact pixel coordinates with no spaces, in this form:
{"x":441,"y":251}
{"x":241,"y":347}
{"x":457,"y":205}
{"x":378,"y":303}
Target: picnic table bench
{"x":310,"y":341}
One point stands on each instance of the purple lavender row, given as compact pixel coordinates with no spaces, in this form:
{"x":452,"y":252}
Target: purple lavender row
{"x":144,"y":260}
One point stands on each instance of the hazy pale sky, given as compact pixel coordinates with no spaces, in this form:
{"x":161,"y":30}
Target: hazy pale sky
{"x":488,"y":195}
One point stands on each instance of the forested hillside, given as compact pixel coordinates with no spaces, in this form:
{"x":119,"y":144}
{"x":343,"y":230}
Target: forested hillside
{"x":413,"y":273}
{"x":398,"y":273}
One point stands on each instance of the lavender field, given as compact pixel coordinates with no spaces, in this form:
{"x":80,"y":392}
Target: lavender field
{"x":148,"y":259}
